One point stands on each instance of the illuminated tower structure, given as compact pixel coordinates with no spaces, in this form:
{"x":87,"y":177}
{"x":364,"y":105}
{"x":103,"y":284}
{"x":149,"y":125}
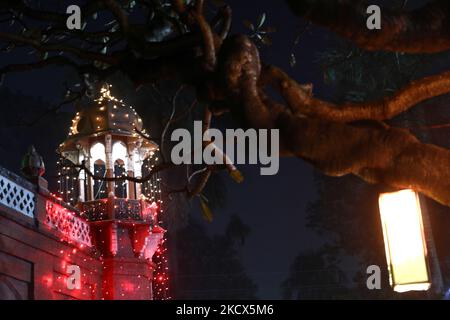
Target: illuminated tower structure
{"x":107,"y":138}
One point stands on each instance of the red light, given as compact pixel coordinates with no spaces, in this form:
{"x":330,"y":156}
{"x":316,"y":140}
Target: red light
{"x":128,"y":286}
{"x":47,"y":281}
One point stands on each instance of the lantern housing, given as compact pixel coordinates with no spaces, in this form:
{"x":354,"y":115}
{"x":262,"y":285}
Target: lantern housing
{"x":404,"y":240}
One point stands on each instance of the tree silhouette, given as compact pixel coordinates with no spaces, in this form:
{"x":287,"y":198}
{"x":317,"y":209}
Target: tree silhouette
{"x":209,"y":266}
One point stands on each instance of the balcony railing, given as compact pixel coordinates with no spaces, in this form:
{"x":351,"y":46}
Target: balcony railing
{"x":66,"y":221}
{"x":123,"y":209}
{"x":14,"y":195}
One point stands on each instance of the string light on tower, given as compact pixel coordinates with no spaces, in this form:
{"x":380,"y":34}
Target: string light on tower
{"x":108,"y":139}
{"x":152,"y":191}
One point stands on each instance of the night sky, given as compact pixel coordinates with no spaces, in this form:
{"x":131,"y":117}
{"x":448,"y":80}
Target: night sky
{"x":273,"y":206}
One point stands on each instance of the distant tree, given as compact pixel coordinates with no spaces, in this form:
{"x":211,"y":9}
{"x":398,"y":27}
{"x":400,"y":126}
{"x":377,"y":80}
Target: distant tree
{"x":346,"y":213}
{"x":315,"y":275}
{"x":209,"y":267}
{"x":237,"y":230}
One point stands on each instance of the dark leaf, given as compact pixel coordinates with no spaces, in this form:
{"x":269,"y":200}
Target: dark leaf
{"x":261,"y":20}
{"x":266,"y":40}
{"x":248,"y":25}
{"x":206,"y":211}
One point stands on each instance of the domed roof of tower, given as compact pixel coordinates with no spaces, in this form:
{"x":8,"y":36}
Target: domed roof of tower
{"x":107,"y":115}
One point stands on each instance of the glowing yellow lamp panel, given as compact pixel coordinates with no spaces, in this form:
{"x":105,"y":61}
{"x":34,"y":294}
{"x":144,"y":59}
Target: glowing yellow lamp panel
{"x":404,"y":241}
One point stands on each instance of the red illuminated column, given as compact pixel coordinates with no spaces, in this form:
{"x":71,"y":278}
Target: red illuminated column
{"x":128,"y":274}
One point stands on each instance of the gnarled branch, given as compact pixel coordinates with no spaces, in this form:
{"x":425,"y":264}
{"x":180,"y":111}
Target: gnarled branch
{"x":300,"y":99}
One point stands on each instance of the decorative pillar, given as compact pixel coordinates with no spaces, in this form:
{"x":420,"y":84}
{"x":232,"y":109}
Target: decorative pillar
{"x":109,"y":164}
{"x":110,"y":174}
{"x":82,"y":191}
{"x":138,"y":167}
{"x":82,"y":175}
{"x":81,"y":182}
{"x":130,"y":170}
{"x":90,"y":182}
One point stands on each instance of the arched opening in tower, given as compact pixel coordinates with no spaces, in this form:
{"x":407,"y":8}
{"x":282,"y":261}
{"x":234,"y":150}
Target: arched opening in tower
{"x":100,"y":185}
{"x":120,"y":187}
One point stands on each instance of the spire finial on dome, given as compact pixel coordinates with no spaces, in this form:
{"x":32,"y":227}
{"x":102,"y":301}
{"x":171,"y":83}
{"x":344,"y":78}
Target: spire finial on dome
{"x":105,"y":90}
{"x":105,"y":94}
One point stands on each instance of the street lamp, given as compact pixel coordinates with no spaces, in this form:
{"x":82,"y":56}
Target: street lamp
{"x":404,"y":241}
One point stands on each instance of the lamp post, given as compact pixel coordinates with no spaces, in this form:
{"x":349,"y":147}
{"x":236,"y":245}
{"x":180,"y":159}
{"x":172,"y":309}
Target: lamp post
{"x":404,"y":240}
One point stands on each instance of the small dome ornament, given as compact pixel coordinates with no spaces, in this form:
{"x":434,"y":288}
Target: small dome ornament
{"x":32,"y":164}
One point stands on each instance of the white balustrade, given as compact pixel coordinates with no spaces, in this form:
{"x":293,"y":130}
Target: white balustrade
{"x":15,"y":197}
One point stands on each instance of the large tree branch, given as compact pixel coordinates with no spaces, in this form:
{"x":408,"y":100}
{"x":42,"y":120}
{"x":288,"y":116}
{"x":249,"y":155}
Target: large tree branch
{"x":423,"y":30}
{"x":209,"y":45}
{"x":373,"y":151}
{"x":318,"y":132}
{"x":377,"y":154}
{"x":300,"y":99}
